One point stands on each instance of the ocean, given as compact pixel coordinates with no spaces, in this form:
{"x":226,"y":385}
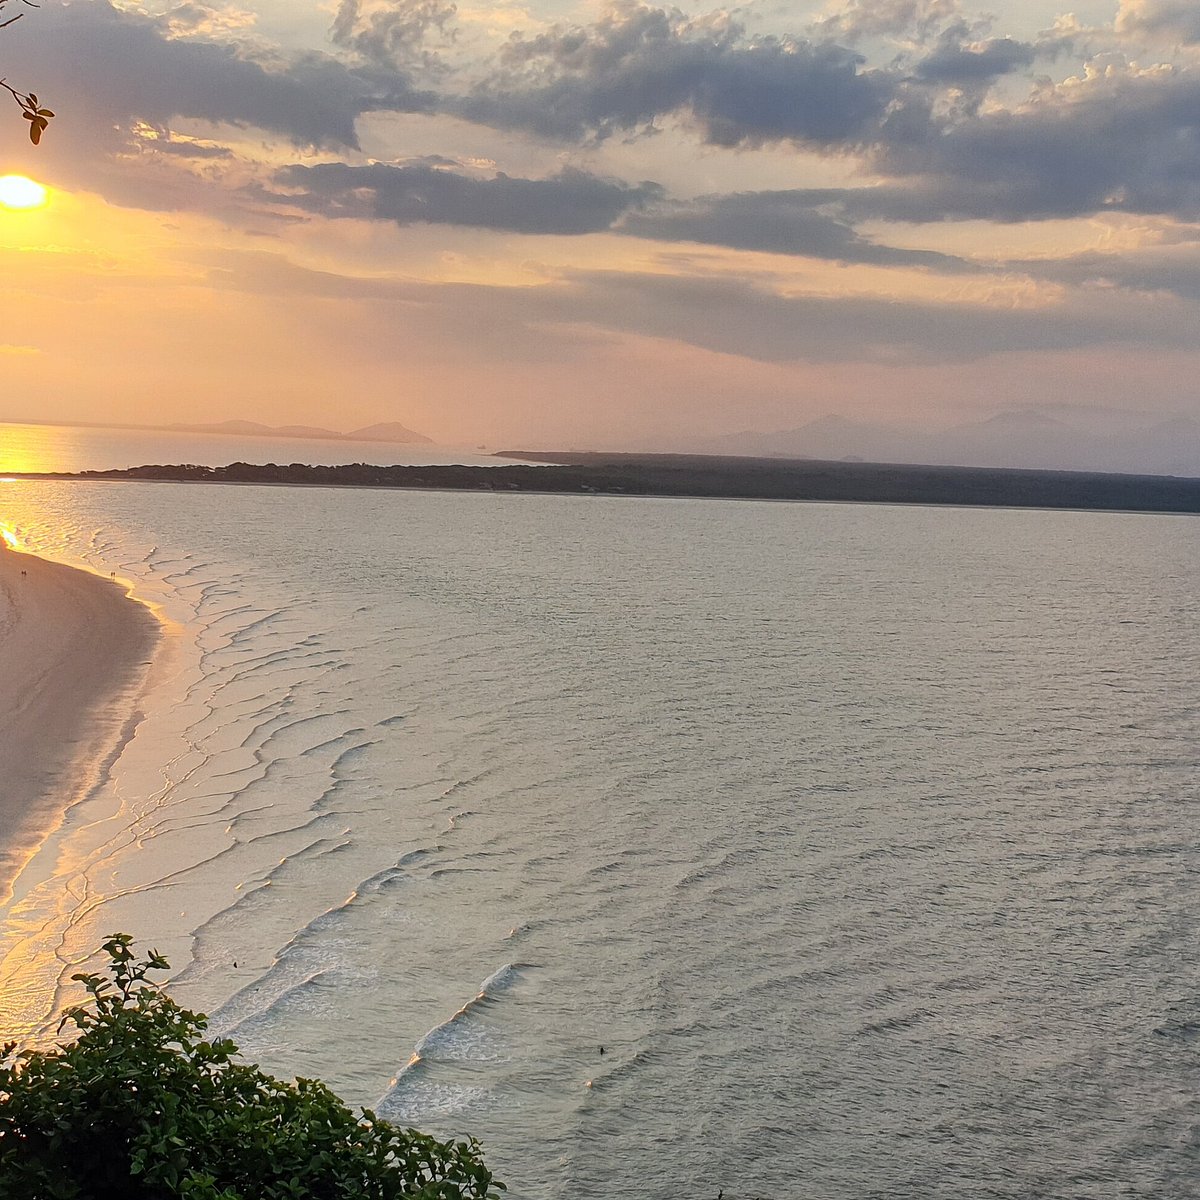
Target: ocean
{"x":41,"y":449}
{"x":863,"y":839}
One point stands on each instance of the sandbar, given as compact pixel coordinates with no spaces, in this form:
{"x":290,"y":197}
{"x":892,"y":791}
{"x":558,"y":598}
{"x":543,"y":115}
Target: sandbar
{"x":75,"y":650}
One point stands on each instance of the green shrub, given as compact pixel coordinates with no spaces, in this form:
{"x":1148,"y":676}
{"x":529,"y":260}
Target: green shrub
{"x":141,"y":1107}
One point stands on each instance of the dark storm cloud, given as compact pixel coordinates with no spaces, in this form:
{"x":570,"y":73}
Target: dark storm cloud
{"x":778,"y":222}
{"x":640,"y":64}
{"x":571,"y":202}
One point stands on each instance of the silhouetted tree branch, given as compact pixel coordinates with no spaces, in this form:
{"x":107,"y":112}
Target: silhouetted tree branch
{"x":37,"y":117}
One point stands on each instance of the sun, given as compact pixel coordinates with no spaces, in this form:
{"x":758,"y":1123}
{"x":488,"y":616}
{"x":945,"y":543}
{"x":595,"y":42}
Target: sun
{"x":16,"y":191}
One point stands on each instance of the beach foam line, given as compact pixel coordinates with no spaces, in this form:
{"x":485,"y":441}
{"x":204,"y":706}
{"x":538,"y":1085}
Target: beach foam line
{"x":75,"y":651}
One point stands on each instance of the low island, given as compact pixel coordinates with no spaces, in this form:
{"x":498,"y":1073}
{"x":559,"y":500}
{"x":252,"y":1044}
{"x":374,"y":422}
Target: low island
{"x":689,"y":475}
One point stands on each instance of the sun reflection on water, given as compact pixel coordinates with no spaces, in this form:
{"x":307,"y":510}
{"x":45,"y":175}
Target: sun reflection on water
{"x":33,"y":449}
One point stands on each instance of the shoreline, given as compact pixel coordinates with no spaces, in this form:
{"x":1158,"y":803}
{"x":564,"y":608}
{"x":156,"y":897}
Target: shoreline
{"x":77,"y":650}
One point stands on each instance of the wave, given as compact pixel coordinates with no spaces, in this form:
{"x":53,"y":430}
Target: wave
{"x":467,"y":1037}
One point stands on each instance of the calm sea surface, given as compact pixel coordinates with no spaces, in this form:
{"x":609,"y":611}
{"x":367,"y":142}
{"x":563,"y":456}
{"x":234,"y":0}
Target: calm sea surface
{"x":865,"y":840}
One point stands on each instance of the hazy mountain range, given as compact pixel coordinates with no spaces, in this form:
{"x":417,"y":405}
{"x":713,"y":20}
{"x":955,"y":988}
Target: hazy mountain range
{"x":387,"y":431}
{"x":1087,"y":441}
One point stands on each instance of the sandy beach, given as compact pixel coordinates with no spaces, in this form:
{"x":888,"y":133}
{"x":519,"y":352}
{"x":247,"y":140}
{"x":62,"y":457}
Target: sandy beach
{"x":74,"y":651}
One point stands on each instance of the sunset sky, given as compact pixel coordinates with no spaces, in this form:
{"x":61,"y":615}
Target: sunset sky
{"x":619,"y":225}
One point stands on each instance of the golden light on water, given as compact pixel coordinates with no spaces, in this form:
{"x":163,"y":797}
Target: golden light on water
{"x":10,"y":538}
{"x":19,"y":191}
{"x":30,"y":449}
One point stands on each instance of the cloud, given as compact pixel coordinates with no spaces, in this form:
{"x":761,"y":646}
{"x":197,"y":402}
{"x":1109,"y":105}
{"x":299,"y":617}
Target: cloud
{"x":391,"y":33}
{"x":162,"y":140}
{"x":1118,"y":140}
{"x":954,"y":63}
{"x":915,"y":19}
{"x":641,"y":64}
{"x":746,"y":319}
{"x":776,"y":222}
{"x":731,"y":316}
{"x":1174,"y":270}
{"x":1178,"y":20}
{"x":436,"y":191}
{"x":192,"y":18}
{"x":571,"y":202}
{"x":121,"y":66}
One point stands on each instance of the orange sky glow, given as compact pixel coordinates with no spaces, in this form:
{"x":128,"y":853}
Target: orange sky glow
{"x":604,"y":225}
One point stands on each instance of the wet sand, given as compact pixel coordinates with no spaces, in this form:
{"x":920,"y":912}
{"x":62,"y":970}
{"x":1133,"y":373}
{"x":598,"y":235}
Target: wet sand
{"x":74,"y":653}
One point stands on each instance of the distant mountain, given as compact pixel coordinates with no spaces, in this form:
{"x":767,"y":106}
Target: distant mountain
{"x":1026,"y":438}
{"x":255,"y":429}
{"x":387,"y":431}
{"x":830,"y":437}
{"x":391,"y":431}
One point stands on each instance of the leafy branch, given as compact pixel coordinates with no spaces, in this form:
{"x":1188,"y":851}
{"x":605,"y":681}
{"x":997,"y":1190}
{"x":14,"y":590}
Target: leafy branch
{"x":10,"y":20}
{"x":37,"y":116}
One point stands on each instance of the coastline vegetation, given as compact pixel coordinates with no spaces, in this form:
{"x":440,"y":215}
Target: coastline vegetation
{"x":142,"y":1106}
{"x":716,"y":476}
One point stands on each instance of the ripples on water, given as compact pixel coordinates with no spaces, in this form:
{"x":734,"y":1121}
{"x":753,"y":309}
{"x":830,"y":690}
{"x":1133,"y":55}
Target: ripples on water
{"x":863,"y":839}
